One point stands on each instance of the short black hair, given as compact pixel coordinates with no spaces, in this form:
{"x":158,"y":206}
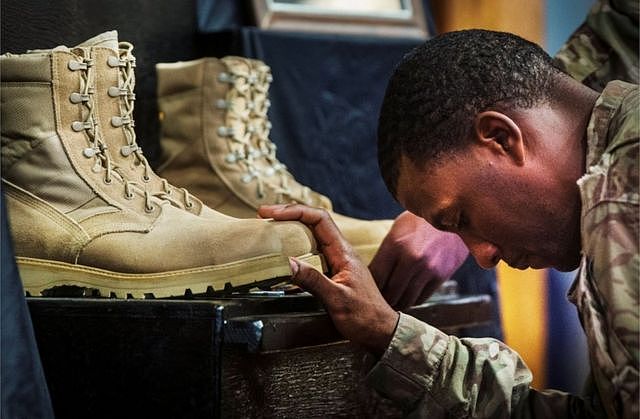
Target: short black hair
{"x":439,"y":87}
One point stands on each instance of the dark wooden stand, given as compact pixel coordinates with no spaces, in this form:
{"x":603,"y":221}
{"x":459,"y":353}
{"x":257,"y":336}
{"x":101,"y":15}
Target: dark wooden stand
{"x":296,"y":365}
{"x":239,"y":357}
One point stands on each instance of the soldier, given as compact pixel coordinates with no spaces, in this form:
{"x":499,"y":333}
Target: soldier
{"x":414,"y":259}
{"x":479,"y":133}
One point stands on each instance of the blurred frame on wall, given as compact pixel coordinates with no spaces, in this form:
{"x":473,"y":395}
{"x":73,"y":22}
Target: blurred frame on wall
{"x":403,"y":18}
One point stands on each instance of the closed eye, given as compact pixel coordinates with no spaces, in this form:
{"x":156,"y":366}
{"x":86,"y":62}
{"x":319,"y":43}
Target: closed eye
{"x":462,"y":222}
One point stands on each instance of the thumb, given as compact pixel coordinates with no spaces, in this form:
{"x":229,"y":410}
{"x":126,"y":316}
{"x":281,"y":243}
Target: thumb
{"x":307,"y":277}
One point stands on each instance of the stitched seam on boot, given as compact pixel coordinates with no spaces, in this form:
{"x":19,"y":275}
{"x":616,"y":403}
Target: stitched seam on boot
{"x":78,"y":234}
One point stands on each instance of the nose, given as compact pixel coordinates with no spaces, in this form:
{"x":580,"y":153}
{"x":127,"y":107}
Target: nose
{"x":486,"y":254}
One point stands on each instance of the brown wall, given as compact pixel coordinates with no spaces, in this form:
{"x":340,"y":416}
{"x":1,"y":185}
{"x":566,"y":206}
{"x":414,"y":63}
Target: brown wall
{"x":522,"y":17}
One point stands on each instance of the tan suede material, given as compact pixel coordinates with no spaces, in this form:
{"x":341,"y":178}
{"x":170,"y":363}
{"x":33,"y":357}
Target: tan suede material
{"x":70,"y":203}
{"x":197,"y":173}
{"x":247,"y":117}
{"x":51,"y":185}
{"x":189,"y":159}
{"x":91,"y":208}
{"x":362,"y":232}
{"x":121,"y":140}
{"x":66,"y":82}
{"x":38,"y":229}
{"x":170,"y":247}
{"x":199,"y":99}
{"x":190,"y":123}
{"x":115,"y":83}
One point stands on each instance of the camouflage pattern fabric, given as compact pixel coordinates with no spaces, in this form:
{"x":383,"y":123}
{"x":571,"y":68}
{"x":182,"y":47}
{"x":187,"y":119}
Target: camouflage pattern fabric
{"x":435,"y":375}
{"x":605,"y":47}
{"x":606,"y":290}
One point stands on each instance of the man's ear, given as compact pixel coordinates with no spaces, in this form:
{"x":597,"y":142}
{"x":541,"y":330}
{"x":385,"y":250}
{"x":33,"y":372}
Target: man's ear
{"x":499,"y":132}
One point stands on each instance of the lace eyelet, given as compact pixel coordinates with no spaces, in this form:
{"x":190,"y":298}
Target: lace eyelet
{"x":108,"y":181}
{"x":76,"y":65}
{"x":128,"y":196}
{"x":113,"y":61}
{"x":188,"y":205}
{"x":76,"y":98}
{"x":146,"y":178}
{"x":113,"y":91}
{"x":148,"y":209}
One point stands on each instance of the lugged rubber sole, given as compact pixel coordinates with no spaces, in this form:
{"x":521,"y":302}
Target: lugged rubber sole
{"x":39,"y":275}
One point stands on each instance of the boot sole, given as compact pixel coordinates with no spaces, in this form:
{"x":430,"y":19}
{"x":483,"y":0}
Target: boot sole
{"x":39,"y":275}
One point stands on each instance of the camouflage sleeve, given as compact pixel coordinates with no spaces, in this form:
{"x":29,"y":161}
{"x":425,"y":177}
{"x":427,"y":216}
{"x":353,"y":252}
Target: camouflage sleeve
{"x":609,"y":299}
{"x":431,"y":374}
{"x":605,"y":46}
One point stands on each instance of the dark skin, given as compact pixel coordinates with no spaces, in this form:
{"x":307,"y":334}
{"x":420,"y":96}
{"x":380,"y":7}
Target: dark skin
{"x":511,"y":195}
{"x":414,"y":259}
{"x":351,"y":296}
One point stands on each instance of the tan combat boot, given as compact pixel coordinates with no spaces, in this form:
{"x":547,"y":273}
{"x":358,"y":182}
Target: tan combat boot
{"x":215,"y":140}
{"x":116,"y":86}
{"x":77,"y":220}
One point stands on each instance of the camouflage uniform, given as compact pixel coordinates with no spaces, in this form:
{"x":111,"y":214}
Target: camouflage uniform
{"x":605,"y":47}
{"x":429,"y":372}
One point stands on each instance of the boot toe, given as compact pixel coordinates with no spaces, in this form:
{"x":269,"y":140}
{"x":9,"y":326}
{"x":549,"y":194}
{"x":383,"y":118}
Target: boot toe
{"x":295,"y":238}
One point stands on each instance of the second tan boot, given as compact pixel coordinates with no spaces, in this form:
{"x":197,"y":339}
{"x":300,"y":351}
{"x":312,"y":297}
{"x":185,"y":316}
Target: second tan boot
{"x":79,"y":219}
{"x":215,"y":141}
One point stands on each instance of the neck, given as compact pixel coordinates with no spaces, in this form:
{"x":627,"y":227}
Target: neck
{"x":567,"y":148}
{"x":574,"y":105}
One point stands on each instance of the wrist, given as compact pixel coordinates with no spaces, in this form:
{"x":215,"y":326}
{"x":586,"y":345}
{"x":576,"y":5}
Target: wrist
{"x":384,"y":333}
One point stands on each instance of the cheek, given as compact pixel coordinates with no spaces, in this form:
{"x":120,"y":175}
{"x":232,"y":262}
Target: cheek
{"x":504,"y":221}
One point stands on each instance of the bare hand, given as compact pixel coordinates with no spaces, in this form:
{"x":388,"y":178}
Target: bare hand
{"x":351,"y":296}
{"x":414,"y":259}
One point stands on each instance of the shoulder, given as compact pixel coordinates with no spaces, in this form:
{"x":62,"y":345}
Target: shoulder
{"x":624,"y":127}
{"x":609,"y":189}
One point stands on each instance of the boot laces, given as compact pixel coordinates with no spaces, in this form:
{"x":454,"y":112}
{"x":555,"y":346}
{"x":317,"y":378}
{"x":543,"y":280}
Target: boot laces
{"x":126,"y":64}
{"x":89,"y":124}
{"x":247,"y":126}
{"x":97,"y":148}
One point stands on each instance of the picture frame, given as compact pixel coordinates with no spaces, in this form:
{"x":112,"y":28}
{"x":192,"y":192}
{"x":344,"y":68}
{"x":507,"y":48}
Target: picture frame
{"x":389,"y":18}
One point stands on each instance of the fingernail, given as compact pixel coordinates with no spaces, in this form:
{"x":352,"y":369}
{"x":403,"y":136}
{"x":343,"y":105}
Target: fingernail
{"x":295,"y":266}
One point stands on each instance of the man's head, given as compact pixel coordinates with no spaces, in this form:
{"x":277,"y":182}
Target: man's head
{"x":472,"y":129}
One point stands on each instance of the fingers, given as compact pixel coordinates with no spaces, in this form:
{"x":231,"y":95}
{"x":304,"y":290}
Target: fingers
{"x":305,"y":276}
{"x":335,"y":248}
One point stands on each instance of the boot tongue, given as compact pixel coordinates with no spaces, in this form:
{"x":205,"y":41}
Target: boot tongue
{"x":107,"y":39}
